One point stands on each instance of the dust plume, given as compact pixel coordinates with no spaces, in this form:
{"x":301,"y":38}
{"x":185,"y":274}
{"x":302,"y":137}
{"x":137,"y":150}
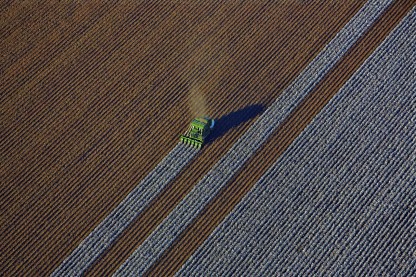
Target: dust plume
{"x":197,"y":102}
{"x":207,"y":61}
{"x":203,"y":73}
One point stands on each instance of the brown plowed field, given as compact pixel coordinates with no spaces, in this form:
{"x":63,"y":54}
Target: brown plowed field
{"x":222,"y":205}
{"x":94,"y":94}
{"x":79,"y":133}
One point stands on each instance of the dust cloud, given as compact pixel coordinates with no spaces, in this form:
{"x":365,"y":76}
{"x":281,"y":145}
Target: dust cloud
{"x":203,"y":74}
{"x":197,"y":102}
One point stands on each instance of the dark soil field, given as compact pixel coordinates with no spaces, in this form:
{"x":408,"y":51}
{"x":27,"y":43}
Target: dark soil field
{"x":95,"y":93}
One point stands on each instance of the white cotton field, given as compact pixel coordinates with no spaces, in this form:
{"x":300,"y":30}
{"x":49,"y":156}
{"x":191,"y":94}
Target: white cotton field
{"x":341,"y":200}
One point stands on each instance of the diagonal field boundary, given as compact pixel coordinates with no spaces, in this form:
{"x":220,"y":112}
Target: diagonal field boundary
{"x":119,"y":219}
{"x":183,"y":214}
{"x":353,"y":161}
{"x":223,"y":204}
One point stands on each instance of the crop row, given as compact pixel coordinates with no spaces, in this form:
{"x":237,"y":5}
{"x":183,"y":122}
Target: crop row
{"x":120,"y":218}
{"x":225,"y":169}
{"x":111,"y":162}
{"x":257,"y":63}
{"x":42,"y":35}
{"x":103,"y":167}
{"x":93,"y":113}
{"x":54,"y":117}
{"x":323,"y":63}
{"x":199,"y":230}
{"x":14,"y":15}
{"x":73,"y":79}
{"x":54,"y":36}
{"x":57,"y":150}
{"x":339,"y":199}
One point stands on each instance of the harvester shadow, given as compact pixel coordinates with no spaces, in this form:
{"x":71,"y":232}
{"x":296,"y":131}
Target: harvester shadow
{"x":234,"y":119}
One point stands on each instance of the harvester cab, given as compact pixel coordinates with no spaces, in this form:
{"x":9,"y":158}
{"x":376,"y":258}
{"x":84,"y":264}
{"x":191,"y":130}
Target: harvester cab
{"x":198,"y":131}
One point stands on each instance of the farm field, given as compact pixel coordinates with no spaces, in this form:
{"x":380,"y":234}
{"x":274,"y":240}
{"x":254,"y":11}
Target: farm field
{"x":221,"y":173}
{"x":95,"y":93}
{"x":342,"y":196}
{"x":224,"y":202}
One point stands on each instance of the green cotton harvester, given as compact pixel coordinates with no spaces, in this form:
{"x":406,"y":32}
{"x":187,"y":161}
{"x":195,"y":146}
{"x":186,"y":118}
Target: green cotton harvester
{"x":198,"y":131}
